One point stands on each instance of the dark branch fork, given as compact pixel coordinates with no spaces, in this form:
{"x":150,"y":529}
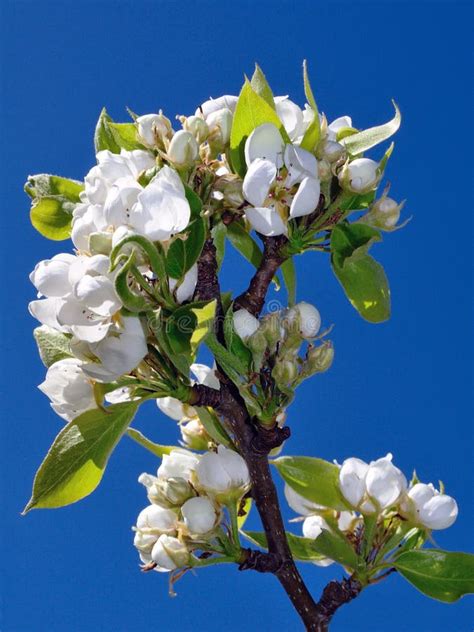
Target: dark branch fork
{"x":255,"y":442}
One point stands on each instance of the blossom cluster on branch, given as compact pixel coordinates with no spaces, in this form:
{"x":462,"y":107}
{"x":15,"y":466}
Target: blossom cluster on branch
{"x":127,"y":310}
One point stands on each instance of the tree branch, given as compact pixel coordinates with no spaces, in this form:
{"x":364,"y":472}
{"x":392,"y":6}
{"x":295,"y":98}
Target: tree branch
{"x":253,"y":299}
{"x":255,"y":442}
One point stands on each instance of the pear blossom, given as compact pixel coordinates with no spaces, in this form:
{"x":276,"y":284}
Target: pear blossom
{"x":183,"y":150}
{"x":245,"y":324}
{"x":371,"y":487}
{"x":426,"y":506}
{"x":185,"y":289}
{"x":223,"y":473}
{"x":306,"y":318}
{"x":199,"y":515}
{"x":157,"y":520}
{"x":169,"y":553}
{"x":68,"y":388}
{"x":226,"y":101}
{"x":269,"y":193}
{"x":178,"y":463}
{"x":291,"y":115}
{"x":360,"y":176}
{"x":153,"y":128}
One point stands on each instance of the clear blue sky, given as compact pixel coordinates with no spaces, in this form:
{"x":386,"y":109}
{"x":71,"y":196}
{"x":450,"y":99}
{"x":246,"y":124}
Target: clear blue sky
{"x":403,"y":386}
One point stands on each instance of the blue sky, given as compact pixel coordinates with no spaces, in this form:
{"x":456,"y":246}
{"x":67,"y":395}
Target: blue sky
{"x":403,"y":386}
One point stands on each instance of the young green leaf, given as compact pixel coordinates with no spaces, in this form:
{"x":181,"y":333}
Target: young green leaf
{"x":242,"y":242}
{"x":103,"y":136}
{"x":442,"y":575}
{"x":219,"y":233}
{"x":125,"y":135}
{"x":52,"y":217}
{"x":183,"y":253}
{"x":44,"y":184}
{"x":52,"y":345}
{"x":213,"y":426}
{"x":151,"y":446}
{"x":289,"y":277}
{"x":260,"y":85}
{"x":205,"y":315}
{"x":194,"y":202}
{"x":313,"y":133}
{"x":314,"y":479}
{"x":77,"y":459}
{"x":368,"y":138}
{"x":250,"y":112}
{"x":362,"y":278}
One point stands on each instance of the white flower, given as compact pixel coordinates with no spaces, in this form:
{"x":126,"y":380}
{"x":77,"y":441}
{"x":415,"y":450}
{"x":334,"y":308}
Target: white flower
{"x":178,"y":410}
{"x":152,"y":128}
{"x":213,"y":105}
{"x":219,"y":123}
{"x":371,"y":487}
{"x":157,"y":520}
{"x":162,"y":208}
{"x":199,"y":515}
{"x":425,"y":505}
{"x":87,"y":219}
{"x":50,"y":277}
{"x":245,"y":324}
{"x":306,"y":317}
{"x":68,"y":388}
{"x":169,"y":553}
{"x":119,"y":352}
{"x":178,"y":464}
{"x":361,"y":175}
{"x":291,"y":115}
{"x":267,"y":191}
{"x":183,"y":150}
{"x":313,"y":526}
{"x":223,"y":473}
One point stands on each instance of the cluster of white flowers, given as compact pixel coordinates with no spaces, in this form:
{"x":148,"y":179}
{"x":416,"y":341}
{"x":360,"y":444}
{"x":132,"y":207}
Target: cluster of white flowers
{"x":187,"y":497}
{"x":380,"y":486}
{"x":375,"y":489}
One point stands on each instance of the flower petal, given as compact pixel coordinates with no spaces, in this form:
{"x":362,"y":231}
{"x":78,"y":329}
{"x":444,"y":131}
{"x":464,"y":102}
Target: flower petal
{"x":306,"y":198}
{"x":300,"y":164}
{"x":259,"y":178}
{"x":264,"y":142}
{"x":266,"y":221}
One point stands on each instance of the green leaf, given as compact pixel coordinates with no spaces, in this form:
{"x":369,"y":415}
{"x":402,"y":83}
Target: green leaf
{"x":213,"y":426}
{"x":250,"y":112}
{"x":442,"y":575}
{"x":362,"y":278}
{"x":103,"y":136}
{"x":327,"y":544}
{"x":314,"y":479}
{"x":219,"y":233}
{"x":151,"y":446}
{"x":194,"y":202}
{"x":368,"y":138}
{"x":44,"y":184}
{"x":234,"y":342}
{"x":205,"y":315}
{"x":159,"y":326}
{"x":356,"y":202}
{"x":260,"y":86}
{"x":244,"y":243}
{"x":289,"y":277}
{"x":52,"y":217}
{"x":125,"y":135}
{"x":52,"y":345}
{"x":313,"y":133}
{"x":183,"y":253}
{"x":77,"y":459}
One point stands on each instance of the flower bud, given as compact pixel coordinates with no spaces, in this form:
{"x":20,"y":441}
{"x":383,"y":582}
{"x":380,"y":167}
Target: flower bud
{"x":178,"y":463}
{"x":223,"y":474}
{"x":284,"y":372}
{"x":220,"y":124}
{"x":199,"y":515}
{"x":324,"y":170}
{"x":169,"y":553}
{"x":144,"y":542}
{"x":384,"y":213}
{"x":271,"y":327}
{"x":425,"y":506}
{"x":320,"y":358}
{"x":153,"y":129}
{"x":169,"y":492}
{"x":359,"y":176}
{"x":245,"y":324}
{"x":197,"y":126}
{"x":194,"y":435}
{"x":157,"y":519}
{"x":183,"y":150}
{"x":305,"y":318}
{"x":332,"y":151}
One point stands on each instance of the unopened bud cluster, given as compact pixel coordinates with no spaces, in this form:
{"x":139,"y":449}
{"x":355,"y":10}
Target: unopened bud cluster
{"x":187,"y":498}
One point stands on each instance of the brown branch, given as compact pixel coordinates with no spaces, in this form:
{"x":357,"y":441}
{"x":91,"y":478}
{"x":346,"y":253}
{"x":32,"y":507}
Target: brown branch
{"x":253,"y":299}
{"x":255,"y":442}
